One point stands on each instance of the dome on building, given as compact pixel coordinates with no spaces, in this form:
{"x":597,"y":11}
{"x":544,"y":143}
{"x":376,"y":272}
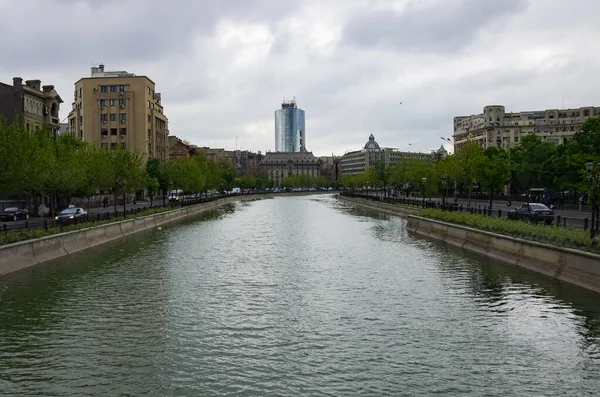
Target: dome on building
{"x":372,"y":144}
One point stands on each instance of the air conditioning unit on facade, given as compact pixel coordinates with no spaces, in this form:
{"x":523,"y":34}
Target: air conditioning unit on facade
{"x":122,"y":136}
{"x":121,"y":93}
{"x":103,"y":121}
{"x":104,"y":136}
{"x":122,"y":121}
{"x":122,"y":106}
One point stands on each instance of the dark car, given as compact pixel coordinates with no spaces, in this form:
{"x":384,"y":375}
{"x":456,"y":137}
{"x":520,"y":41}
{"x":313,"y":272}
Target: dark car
{"x":13,"y":214}
{"x":71,"y":215}
{"x":532,"y":212}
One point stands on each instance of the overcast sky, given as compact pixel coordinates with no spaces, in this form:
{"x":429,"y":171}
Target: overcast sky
{"x":223,"y":67}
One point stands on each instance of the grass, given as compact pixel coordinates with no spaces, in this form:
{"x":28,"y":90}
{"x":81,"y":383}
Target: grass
{"x":569,"y":238}
{"x":15,"y":236}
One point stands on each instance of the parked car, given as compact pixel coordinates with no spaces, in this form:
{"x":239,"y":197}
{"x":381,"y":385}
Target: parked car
{"x":71,"y":215}
{"x":533,"y":212}
{"x":13,"y":214}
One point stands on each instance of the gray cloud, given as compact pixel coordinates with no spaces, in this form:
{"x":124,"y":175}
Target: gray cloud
{"x":440,"y":26}
{"x":224,"y":66}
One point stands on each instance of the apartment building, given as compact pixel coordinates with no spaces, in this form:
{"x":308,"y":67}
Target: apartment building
{"x":31,"y":103}
{"x":114,"y":109}
{"x":358,"y":161}
{"x":495,"y":127}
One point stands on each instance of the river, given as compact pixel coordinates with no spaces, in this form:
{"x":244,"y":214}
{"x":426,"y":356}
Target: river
{"x":293,"y":296}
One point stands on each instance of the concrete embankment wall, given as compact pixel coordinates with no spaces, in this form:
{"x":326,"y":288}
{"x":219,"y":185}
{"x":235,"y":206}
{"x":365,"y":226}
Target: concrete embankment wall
{"x":385,"y":207}
{"x":20,"y":255}
{"x":573,"y":266}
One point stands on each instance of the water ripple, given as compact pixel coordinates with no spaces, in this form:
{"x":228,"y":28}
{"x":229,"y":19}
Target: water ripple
{"x":289,"y":297}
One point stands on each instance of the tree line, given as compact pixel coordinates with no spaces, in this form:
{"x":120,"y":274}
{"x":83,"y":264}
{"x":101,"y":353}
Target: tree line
{"x":533,"y":163}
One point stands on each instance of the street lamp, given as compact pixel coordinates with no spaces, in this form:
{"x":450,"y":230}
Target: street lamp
{"x":424,"y":179}
{"x":445,"y":184}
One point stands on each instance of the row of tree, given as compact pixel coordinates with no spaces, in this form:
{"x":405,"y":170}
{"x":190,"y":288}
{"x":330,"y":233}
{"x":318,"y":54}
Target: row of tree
{"x":531,"y":164}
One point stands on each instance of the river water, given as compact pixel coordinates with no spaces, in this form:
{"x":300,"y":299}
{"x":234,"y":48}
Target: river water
{"x":294,"y":296}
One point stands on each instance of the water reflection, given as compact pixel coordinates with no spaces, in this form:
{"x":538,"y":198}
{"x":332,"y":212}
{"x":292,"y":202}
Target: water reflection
{"x":292,"y":296}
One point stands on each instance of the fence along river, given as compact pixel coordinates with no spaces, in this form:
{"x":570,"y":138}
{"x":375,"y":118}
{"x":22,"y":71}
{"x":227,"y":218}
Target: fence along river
{"x":292,"y":296}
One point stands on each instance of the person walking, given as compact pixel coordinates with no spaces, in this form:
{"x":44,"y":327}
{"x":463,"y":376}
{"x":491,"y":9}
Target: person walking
{"x":580,"y":203}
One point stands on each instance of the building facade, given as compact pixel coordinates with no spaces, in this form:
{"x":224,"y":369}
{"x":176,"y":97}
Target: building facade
{"x":178,"y":149}
{"x":358,"y":161}
{"x":281,"y":165}
{"x":495,"y":127}
{"x":32,"y":104}
{"x":120,"y":109}
{"x":290,"y":128}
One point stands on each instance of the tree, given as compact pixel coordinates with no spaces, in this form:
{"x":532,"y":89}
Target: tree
{"x":491,"y":169}
{"x":466,"y":156}
{"x":126,"y":173}
{"x":383,"y":175}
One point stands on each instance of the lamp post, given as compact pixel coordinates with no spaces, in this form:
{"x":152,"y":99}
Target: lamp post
{"x":445,"y":192}
{"x":593,"y":171}
{"x":424,"y":179}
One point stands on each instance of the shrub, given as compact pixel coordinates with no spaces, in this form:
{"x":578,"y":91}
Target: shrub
{"x":570,"y":238}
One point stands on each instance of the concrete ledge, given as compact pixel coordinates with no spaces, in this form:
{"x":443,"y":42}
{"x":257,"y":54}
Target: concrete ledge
{"x":16,"y":256}
{"x":393,"y":209}
{"x":48,"y":248}
{"x":74,"y":241}
{"x":565,"y":264}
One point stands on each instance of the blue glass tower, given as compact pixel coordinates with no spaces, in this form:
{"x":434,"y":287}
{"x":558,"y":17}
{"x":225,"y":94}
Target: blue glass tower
{"x":289,"y":128}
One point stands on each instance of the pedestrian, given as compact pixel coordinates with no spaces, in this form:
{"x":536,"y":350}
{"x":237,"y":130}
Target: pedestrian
{"x":105,"y":201}
{"x":580,"y":203}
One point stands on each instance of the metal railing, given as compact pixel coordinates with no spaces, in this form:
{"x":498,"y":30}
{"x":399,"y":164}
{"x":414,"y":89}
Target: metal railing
{"x":483,"y":210}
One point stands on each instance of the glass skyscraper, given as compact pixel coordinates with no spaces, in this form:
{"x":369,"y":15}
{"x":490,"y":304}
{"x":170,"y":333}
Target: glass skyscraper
{"x":289,"y":128}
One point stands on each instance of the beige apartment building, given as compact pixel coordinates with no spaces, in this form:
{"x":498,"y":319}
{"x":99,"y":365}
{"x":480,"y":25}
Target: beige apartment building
{"x":31,"y":103}
{"x":120,"y":109}
{"x":358,"y":161}
{"x":495,"y":127}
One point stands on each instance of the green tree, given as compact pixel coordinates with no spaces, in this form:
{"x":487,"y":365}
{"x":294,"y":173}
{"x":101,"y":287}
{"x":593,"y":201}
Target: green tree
{"x":491,"y":169}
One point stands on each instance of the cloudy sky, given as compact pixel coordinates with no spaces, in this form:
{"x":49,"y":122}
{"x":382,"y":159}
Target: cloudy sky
{"x":223,"y":67}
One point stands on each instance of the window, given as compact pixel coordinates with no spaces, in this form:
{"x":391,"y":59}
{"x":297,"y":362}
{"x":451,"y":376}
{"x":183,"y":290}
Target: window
{"x":122,"y":131}
{"x":149,"y":91}
{"x":112,"y":102}
{"x":586,"y":113}
{"x":103,"y":131}
{"x":113,"y":145}
{"x":104,"y":146}
{"x":122,"y":102}
{"x":104,"y":117}
{"x":122,"y":88}
{"x":113,"y":131}
{"x":79,"y":92}
{"x":149,"y":118}
{"x":123,"y":145}
{"x":75,"y":95}
{"x":122,"y":116}
{"x":103,"y":102}
{"x":149,"y":133}
{"x":103,"y":88}
{"x":113,"y":117}
{"x":28,"y":128}
{"x":113,"y":88}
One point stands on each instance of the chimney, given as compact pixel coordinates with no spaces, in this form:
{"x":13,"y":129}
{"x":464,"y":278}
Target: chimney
{"x":17,"y":82}
{"x":101,"y":67}
{"x":48,"y":88}
{"x":34,"y":84}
